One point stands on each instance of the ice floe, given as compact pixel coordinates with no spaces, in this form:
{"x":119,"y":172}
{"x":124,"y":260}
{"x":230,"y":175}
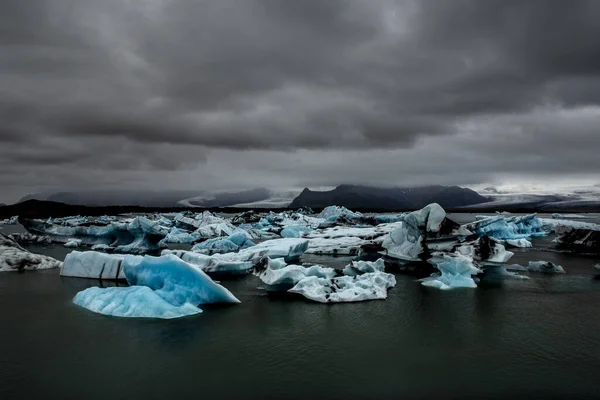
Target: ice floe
{"x":13,"y":257}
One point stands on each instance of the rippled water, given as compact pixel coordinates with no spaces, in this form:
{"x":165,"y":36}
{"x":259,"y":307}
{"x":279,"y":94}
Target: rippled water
{"x":537,"y":338}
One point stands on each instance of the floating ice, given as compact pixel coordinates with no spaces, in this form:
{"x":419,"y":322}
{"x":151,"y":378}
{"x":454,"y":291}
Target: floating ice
{"x":91,"y":264}
{"x":583,"y":238}
{"x":180,"y":236}
{"x":289,"y":248}
{"x":73,"y":243}
{"x":15,"y":258}
{"x":133,"y":302}
{"x":545,"y":267}
{"x":569,"y":216}
{"x":175,"y":280}
{"x":294,"y":231}
{"x":502,"y":227}
{"x":281,"y":277}
{"x":343,"y":240}
{"x":360,"y":267}
{"x":421,"y":230}
{"x":522,"y":243}
{"x":456,"y":271}
{"x":11,"y":221}
{"x":371,"y":286}
{"x":225,"y":264}
{"x":138,"y":236}
{"x":323,"y":284}
{"x":101,"y":247}
{"x":332,"y":213}
{"x":485,"y":250}
{"x":231,"y":244}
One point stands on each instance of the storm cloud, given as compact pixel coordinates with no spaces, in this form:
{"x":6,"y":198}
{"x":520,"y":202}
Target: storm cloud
{"x":183,"y":94}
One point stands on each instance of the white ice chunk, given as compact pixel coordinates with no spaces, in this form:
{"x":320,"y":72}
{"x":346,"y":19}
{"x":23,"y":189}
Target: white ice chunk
{"x":545,"y":267}
{"x":73,"y":243}
{"x":15,"y":258}
{"x":361,"y":267}
{"x":288,"y":248}
{"x":370,"y":286}
{"x":132,"y":302}
{"x":91,"y":264}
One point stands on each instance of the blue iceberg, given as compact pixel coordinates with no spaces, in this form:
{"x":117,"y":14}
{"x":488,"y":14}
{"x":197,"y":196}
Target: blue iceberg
{"x":161,"y":287}
{"x":294,"y":231}
{"x":175,"y":280}
{"x":456,"y":271}
{"x":230,"y":244}
{"x":132,"y":302}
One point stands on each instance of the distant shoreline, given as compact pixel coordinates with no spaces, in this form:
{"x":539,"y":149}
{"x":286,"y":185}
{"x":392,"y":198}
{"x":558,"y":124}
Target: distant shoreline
{"x":45,"y":209}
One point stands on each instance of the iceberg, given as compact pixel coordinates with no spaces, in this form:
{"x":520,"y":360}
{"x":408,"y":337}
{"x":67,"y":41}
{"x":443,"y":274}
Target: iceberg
{"x":343,"y":240}
{"x":101,"y":247}
{"x":289,"y":248}
{"x":281,"y":277}
{"x":230,"y":244}
{"x":138,"y":236}
{"x":294,"y":231}
{"x":175,"y":280}
{"x":521,"y":243}
{"x":231,"y":264}
{"x":342,"y":289}
{"x":133,"y":302}
{"x":597,"y":267}
{"x":569,"y":216}
{"x":585,"y":239}
{"x":502,"y":227}
{"x":15,"y":258}
{"x":11,"y":221}
{"x":545,"y":267}
{"x":422,"y":231}
{"x":325,"y":285}
{"x":180,"y":236}
{"x":456,"y":271}
{"x":73,"y":243}
{"x":91,"y":264}
{"x":361,"y":267}
{"x":484,"y":250}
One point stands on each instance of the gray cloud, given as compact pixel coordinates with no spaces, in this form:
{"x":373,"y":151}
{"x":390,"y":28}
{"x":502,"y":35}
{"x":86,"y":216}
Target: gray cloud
{"x":274,"y":93}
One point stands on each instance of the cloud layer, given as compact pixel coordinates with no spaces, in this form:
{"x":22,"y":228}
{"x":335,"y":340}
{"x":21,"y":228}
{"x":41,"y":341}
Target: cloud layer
{"x":225,"y":94}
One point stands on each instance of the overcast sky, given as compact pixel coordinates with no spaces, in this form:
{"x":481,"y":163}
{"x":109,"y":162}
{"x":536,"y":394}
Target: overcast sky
{"x":227,"y":94}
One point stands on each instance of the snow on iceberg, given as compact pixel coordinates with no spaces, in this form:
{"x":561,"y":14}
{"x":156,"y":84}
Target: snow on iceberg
{"x":456,"y":271}
{"x":132,"y":302}
{"x":91,"y":264}
{"x":175,"y":280}
{"x":545,"y":267}
{"x":333,"y":213}
{"x":15,"y":258}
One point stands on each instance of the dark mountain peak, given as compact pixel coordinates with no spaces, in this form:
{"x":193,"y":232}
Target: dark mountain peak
{"x":398,"y":198}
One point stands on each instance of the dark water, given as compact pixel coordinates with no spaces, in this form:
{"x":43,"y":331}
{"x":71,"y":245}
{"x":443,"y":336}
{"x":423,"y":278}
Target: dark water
{"x":538,"y":338}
